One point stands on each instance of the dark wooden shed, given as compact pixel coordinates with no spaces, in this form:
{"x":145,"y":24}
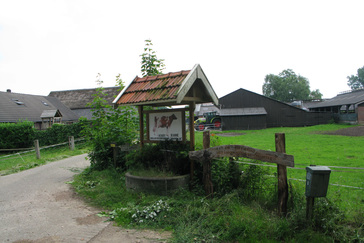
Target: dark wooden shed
{"x":278,"y":114}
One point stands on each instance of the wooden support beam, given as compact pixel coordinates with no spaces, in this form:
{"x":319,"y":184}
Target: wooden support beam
{"x":141,"y":125}
{"x":280,"y":142}
{"x":207,"y":176}
{"x":243,"y":151}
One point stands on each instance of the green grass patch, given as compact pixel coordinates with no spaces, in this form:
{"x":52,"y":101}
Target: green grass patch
{"x":23,"y":161}
{"x":248,"y":214}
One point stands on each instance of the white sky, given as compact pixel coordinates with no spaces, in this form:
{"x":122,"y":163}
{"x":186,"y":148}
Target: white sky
{"x":56,"y":45}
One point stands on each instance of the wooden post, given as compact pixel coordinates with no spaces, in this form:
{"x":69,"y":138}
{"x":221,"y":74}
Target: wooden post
{"x":115,"y":152}
{"x":71,"y":142}
{"x":141,"y":125}
{"x":207,"y":181}
{"x":37,"y":149}
{"x":192,"y":138}
{"x":309,"y":207}
{"x":280,"y":142}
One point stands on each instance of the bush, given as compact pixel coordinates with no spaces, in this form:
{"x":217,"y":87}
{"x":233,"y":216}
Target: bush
{"x":58,"y":133}
{"x":16,"y":135}
{"x":166,"y":156}
{"x":117,"y":126}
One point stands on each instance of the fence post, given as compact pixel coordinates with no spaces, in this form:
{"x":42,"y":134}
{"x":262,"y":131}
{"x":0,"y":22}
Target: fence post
{"x":280,"y":141}
{"x":71,"y":142}
{"x":207,"y":178}
{"x":36,"y":147}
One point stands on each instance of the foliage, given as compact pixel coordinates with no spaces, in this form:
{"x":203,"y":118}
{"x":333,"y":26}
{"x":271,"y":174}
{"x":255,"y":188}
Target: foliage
{"x":58,"y":133}
{"x":356,"y":81}
{"x":288,"y":86}
{"x":194,"y":218}
{"x":166,"y":156}
{"x":16,"y":135}
{"x":117,"y":126}
{"x":151,"y":65}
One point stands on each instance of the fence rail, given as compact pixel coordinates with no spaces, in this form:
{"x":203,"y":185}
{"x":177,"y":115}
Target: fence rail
{"x":33,"y":149}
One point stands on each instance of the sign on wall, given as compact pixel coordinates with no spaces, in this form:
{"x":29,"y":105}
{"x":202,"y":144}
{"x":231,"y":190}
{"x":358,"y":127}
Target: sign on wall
{"x":165,"y":125}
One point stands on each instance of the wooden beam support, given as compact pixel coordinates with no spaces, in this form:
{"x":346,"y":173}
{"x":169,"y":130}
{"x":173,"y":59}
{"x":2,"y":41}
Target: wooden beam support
{"x":280,"y":142}
{"x":243,"y":151}
{"x":141,"y":125}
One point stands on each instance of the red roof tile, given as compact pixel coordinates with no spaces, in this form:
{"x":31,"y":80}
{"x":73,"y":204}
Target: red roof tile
{"x":162,"y":87}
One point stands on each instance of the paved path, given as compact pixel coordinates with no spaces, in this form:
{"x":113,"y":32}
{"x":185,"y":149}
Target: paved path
{"x":38,"y":206}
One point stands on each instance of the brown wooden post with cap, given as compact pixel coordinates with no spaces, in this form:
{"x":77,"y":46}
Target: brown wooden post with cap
{"x":207,"y":181}
{"x":280,"y":142}
{"x":141,"y":125}
{"x":192,"y":136}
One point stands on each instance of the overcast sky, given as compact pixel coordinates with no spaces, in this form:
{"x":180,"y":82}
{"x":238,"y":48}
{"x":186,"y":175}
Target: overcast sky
{"x":56,"y":45}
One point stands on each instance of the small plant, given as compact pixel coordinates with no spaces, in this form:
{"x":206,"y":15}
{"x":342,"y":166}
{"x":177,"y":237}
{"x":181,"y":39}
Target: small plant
{"x":150,"y":213}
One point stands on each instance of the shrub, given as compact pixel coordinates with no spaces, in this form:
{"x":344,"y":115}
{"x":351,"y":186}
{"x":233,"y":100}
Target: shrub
{"x":118,"y":126}
{"x":16,"y":135}
{"x":58,"y":133}
{"x":166,"y":156}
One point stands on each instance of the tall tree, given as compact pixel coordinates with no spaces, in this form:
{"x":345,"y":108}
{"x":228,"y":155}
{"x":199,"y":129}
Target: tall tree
{"x":288,"y":86}
{"x":357,"y":81}
{"x":151,"y":65}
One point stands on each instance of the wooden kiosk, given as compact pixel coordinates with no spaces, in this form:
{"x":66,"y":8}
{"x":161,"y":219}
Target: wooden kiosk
{"x":189,"y":87}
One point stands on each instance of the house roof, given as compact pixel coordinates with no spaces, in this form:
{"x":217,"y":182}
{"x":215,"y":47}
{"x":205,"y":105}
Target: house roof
{"x":50,"y":114}
{"x":249,"y":111}
{"x":348,"y":98}
{"x":15,"y":107}
{"x":169,"y":89}
{"x":79,"y":98}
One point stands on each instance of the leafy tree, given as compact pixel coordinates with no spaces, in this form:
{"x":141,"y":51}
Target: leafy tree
{"x":315,"y":95}
{"x":151,"y":65}
{"x":108,"y":126}
{"x":288,"y":86}
{"x":357,"y":81}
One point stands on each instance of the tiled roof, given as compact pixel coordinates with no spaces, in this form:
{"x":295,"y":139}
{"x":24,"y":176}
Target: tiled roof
{"x":348,"y":98}
{"x":153,"y":88}
{"x":79,"y":98}
{"x":15,"y":107}
{"x":176,"y":88}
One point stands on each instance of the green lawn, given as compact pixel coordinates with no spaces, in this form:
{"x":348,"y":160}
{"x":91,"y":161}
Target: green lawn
{"x":249,"y":217}
{"x":310,"y":146}
{"x":12,"y":163}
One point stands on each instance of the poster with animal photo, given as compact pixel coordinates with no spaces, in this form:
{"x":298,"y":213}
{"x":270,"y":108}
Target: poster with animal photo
{"x":165,"y":125}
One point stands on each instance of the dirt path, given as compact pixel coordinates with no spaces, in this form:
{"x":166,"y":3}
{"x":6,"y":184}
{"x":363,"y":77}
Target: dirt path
{"x":38,"y":206}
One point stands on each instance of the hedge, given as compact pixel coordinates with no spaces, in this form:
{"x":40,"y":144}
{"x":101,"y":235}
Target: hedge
{"x":23,"y":134}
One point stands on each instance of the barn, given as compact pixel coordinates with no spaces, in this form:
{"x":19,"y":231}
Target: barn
{"x":346,"y":107}
{"x":243,"y":110}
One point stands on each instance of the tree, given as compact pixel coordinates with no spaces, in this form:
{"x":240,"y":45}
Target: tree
{"x":356,"y":81}
{"x":151,"y":65}
{"x":288,"y":86}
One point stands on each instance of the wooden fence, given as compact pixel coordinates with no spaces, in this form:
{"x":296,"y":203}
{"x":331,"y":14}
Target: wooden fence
{"x":279,"y":157}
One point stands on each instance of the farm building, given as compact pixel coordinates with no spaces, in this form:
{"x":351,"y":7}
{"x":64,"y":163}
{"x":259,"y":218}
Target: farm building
{"x":44,"y":111}
{"x":243,"y":109}
{"x":78,"y":99}
{"x":347,"y":107}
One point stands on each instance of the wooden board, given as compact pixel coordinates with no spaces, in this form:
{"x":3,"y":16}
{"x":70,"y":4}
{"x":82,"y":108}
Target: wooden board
{"x":242,"y":151}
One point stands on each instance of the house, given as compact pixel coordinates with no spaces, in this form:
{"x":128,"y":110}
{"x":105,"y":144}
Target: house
{"x":44,"y":111}
{"x":346,"y":107}
{"x":78,"y":100}
{"x":243,"y":110}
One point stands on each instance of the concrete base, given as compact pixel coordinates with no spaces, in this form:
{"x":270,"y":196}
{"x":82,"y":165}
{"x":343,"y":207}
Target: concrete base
{"x":159,"y":186}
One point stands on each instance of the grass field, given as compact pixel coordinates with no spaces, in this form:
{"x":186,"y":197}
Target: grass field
{"x":310,"y":146}
{"x":235,"y":217}
{"x":12,"y":163}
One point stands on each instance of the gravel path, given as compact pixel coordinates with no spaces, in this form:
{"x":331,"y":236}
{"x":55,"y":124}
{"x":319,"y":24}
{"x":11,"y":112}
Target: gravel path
{"x":38,"y":206}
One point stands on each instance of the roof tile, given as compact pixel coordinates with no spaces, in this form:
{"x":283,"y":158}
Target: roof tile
{"x":153,"y":88}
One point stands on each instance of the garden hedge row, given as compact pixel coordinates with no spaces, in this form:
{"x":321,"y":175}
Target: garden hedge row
{"x":23,"y":134}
